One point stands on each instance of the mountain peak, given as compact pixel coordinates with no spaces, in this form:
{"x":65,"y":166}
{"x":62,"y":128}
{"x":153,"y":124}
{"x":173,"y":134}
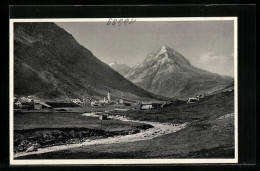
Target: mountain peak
{"x":168,"y":73}
{"x":164,"y":49}
{"x":164,"y":46}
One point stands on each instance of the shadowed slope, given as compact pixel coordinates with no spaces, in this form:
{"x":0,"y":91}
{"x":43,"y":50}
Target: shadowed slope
{"x":50,"y":64}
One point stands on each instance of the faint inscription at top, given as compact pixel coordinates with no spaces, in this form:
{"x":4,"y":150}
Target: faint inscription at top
{"x":120,"y":22}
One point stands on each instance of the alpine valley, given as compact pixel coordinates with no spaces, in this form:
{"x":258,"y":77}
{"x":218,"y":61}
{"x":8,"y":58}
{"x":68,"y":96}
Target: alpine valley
{"x":68,"y":104}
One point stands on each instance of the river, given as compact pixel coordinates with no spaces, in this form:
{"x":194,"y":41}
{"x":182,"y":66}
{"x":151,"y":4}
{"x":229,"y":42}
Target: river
{"x":158,"y":129}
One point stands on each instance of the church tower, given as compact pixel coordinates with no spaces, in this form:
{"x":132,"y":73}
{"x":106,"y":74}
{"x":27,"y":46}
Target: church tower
{"x":108,"y":96}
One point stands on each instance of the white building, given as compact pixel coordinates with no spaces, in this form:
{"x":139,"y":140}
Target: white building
{"x":17,"y":104}
{"x":108,"y":96}
{"x":95,"y":103}
{"x":86,"y":101}
{"x":192,"y":100}
{"x":77,"y":101}
{"x":147,"y":106}
{"x":152,"y":105}
{"x":105,"y":100}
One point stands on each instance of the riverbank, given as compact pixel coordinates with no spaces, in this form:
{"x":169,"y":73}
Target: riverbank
{"x":149,"y":130}
{"x":40,"y":130}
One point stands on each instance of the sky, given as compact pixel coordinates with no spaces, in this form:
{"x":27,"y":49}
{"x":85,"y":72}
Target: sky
{"x":207,"y":45}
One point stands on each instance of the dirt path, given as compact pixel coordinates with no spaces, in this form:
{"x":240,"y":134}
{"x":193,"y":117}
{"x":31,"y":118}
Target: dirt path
{"x":158,"y":129}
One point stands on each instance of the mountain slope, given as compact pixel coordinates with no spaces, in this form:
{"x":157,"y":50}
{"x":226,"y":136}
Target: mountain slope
{"x":120,"y":68}
{"x":167,"y":73}
{"x":50,"y":64}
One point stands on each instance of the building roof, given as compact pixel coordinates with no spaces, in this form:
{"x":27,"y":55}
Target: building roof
{"x":193,"y":98}
{"x":152,"y":102}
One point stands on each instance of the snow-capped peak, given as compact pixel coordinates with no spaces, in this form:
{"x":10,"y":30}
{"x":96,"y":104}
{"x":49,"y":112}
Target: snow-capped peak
{"x":163,"y":49}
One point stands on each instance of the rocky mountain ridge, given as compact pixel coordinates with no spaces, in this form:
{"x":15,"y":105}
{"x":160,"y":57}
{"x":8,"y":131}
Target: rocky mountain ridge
{"x":168,"y":73}
{"x":120,"y":68}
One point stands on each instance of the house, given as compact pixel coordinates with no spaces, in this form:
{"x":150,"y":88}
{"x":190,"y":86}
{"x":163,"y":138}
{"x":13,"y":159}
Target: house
{"x":24,"y":99}
{"x":76,"y":101}
{"x":44,"y":105}
{"x":86,"y":101}
{"x":28,"y":105}
{"x":95,"y":103}
{"x":152,"y":105}
{"x":40,"y":105}
{"x":198,"y":97}
{"x":105,"y":101}
{"x":17,"y":104}
{"x":192,"y":100}
{"x":201,"y":96}
{"x":146,"y":106}
{"x":103,"y":117}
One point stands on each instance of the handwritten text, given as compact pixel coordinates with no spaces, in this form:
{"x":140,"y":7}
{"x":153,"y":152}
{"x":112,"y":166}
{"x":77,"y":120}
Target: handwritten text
{"x":119,"y":22}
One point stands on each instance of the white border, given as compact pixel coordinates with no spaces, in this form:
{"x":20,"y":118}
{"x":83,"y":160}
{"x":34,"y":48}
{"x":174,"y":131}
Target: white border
{"x":120,"y":161}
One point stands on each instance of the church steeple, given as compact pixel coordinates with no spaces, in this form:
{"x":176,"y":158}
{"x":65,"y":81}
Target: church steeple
{"x":108,"y":96}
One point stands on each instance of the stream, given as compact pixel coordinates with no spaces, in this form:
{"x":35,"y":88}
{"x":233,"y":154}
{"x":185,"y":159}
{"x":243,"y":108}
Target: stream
{"x":158,"y":129}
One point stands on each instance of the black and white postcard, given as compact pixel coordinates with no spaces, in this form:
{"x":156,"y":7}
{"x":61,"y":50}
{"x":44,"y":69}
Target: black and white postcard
{"x":123,"y":90}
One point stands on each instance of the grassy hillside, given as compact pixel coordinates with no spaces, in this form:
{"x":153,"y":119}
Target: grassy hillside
{"x":50,"y":64}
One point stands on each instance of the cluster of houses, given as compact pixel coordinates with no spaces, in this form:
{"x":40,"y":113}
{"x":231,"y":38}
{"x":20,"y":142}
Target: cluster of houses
{"x":89,"y":101}
{"x":105,"y":101}
{"x":197,"y":98}
{"x":153,"y":104}
{"x":161,"y":104}
{"x":101,"y":102}
{"x":29,"y":103}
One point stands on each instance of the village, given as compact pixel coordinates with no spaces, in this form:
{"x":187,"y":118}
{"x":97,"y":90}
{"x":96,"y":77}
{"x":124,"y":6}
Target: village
{"x":29,"y":103}
{"x":111,"y":120}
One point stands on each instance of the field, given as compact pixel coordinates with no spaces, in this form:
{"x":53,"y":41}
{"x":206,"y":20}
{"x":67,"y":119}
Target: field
{"x":50,"y":128}
{"x":209,"y":134}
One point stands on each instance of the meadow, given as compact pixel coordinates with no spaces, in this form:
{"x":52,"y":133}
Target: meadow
{"x":209,"y":134}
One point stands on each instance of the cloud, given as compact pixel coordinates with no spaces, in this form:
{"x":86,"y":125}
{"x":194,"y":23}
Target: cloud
{"x":211,"y":57}
{"x":218,"y":63}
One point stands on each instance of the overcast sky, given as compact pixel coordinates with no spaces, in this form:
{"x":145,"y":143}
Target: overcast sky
{"x":208,"y":45}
